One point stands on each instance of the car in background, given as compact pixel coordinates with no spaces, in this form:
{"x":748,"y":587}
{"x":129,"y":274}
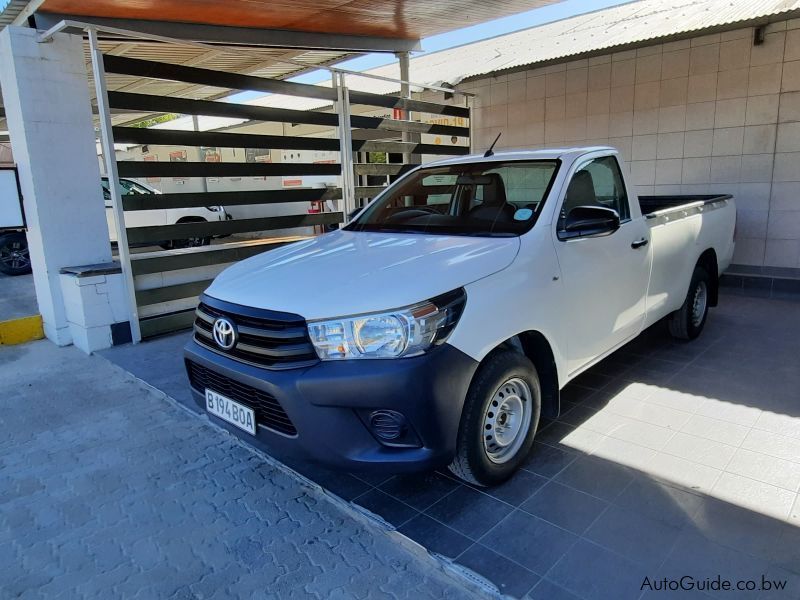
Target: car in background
{"x":15,"y":258}
{"x":163,"y":216}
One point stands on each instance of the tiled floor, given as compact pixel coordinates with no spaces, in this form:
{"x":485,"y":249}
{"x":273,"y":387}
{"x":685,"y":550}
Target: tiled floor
{"x":668,"y":460}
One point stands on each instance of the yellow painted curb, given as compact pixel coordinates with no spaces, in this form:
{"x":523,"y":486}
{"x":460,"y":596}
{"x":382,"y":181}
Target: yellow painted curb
{"x":19,"y":331}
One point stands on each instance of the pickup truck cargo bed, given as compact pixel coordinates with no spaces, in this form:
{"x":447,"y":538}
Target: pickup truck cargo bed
{"x":652,"y":204}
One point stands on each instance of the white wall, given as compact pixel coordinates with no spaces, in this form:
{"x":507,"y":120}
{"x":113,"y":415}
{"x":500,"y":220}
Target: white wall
{"x":706,"y":115}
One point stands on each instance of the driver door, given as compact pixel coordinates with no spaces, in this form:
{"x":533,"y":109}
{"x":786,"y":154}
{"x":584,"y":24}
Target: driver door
{"x":605,"y":277}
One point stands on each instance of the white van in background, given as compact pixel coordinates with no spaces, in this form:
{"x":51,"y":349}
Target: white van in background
{"x":165,"y":216}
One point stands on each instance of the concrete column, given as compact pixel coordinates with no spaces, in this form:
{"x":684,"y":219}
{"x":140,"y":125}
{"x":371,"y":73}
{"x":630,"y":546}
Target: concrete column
{"x":46,"y":97}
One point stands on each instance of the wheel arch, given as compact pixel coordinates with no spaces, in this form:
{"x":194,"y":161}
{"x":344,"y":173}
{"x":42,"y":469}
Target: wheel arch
{"x":708,"y":260}
{"x":534,"y":345}
{"x":191,"y":219}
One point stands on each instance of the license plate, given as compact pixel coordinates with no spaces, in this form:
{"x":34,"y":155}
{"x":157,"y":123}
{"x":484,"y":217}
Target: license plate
{"x":234,"y":413}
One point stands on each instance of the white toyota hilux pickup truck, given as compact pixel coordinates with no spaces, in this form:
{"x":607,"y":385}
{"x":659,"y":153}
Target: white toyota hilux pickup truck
{"x":440,"y":324}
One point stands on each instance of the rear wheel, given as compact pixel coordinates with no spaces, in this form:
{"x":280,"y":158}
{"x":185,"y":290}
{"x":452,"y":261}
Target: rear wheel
{"x":193,"y":242}
{"x":14,"y":256}
{"x":688,"y":321}
{"x":501,"y":414}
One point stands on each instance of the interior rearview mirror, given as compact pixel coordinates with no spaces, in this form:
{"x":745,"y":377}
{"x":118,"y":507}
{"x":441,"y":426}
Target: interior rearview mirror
{"x":589,"y":221}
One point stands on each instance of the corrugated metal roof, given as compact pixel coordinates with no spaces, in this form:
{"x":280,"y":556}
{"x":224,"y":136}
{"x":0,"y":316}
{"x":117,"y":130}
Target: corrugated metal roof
{"x":623,"y":25}
{"x":9,"y":9}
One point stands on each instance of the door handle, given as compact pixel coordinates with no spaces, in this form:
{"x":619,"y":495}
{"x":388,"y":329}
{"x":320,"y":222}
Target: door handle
{"x":639,"y":243}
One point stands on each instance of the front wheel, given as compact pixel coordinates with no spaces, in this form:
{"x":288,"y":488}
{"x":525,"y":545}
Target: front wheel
{"x":500,"y":418}
{"x":688,"y":321}
{"x":14,"y":256}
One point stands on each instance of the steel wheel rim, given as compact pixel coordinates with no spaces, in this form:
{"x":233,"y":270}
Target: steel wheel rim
{"x":15,"y":256}
{"x":699,"y":303}
{"x":507,"y":420}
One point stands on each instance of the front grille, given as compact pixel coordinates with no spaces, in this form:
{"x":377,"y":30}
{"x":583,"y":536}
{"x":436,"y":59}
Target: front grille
{"x":268,"y":410}
{"x":271,"y":339}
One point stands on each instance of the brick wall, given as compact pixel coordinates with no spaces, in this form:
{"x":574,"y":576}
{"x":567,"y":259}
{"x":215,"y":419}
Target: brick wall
{"x":710,"y":114}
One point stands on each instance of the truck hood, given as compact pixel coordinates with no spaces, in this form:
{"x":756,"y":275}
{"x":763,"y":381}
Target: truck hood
{"x":347,"y":272}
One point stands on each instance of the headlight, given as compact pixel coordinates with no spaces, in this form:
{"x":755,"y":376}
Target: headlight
{"x":408,"y":331}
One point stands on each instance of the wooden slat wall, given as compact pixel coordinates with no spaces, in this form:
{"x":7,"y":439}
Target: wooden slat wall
{"x":173,"y":279}
{"x":159,"y":233}
{"x":167,"y":137}
{"x":191,"y":199}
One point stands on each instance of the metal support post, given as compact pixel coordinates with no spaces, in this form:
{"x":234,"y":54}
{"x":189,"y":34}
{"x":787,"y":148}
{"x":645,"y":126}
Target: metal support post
{"x":345,"y":144}
{"x":107,"y":142}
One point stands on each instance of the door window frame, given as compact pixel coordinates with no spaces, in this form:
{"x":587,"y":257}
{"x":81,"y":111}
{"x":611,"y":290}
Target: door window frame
{"x":586,"y":159}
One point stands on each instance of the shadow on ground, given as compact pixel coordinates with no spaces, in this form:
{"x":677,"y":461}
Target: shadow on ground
{"x":668,"y":460}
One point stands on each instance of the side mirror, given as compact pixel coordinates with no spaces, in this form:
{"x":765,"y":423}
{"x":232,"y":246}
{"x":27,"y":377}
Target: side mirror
{"x":589,"y":221}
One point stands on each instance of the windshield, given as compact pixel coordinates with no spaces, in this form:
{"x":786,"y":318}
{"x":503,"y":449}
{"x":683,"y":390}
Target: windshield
{"x":482,"y":199}
{"x":127,"y":187}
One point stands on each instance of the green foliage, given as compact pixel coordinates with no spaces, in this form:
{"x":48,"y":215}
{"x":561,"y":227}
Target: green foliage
{"x":378,"y":157}
{"x":156,"y":120}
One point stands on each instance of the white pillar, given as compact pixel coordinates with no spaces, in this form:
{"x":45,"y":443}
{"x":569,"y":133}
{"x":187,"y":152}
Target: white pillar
{"x":46,"y":96}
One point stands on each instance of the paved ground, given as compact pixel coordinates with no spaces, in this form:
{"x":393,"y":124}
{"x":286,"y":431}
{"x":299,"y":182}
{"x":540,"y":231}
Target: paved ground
{"x":669,"y":460}
{"x":108,"y":490}
{"x":17,"y":297}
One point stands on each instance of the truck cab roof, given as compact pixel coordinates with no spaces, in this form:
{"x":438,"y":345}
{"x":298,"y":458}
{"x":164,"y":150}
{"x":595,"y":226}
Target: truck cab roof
{"x":564,"y":154}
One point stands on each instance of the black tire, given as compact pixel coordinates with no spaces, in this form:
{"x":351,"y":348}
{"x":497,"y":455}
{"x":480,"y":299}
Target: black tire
{"x":14,"y":256}
{"x":474,"y":462}
{"x":688,"y":321}
{"x":194,"y":242}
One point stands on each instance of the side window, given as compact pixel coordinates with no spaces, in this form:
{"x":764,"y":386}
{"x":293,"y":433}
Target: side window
{"x":597,"y":182}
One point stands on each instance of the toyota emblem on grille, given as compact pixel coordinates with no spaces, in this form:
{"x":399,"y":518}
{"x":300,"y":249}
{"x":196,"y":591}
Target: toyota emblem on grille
{"x":224,"y":333}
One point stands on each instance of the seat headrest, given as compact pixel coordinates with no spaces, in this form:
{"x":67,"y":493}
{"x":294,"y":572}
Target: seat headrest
{"x":580,"y":191}
{"x":494,"y":193}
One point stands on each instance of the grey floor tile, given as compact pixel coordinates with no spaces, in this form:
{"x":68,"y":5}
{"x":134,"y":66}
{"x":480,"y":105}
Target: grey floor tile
{"x":578,"y":415}
{"x":779,"y":584}
{"x":374,"y":479}
{"x":576,"y":393}
{"x":592,"y":379}
{"x":547,"y":590}
{"x":509,"y":577}
{"x":633,"y":535}
{"x":529,"y":541}
{"x":785,"y":549}
{"x":595,"y":573}
{"x":700,"y":450}
{"x":343,"y":485}
{"x":755,"y":495}
{"x":547,"y":461}
{"x":391,"y":510}
{"x":420,"y":490}
{"x":469,"y":512}
{"x":519,"y":488}
{"x":655,"y":589}
{"x":554,"y":432}
{"x":596,"y":476}
{"x":565,"y":507}
{"x":696,"y":556}
{"x":435,"y":537}
{"x":659,"y":501}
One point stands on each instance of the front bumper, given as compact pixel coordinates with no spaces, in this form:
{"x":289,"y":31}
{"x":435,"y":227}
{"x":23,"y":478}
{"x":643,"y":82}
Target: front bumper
{"x":328,"y":403}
